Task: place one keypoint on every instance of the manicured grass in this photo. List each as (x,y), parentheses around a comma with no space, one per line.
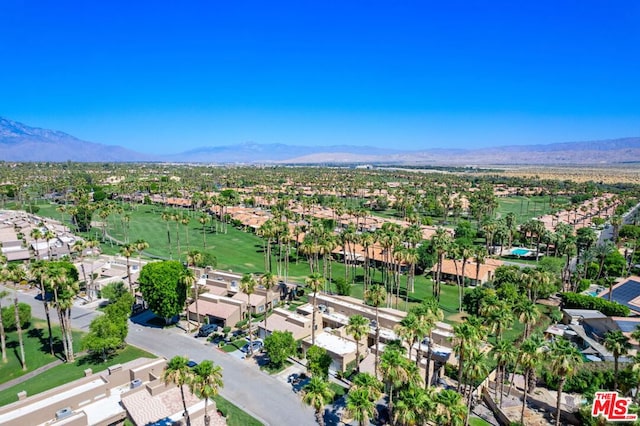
(526,208)
(36,349)
(66,373)
(235,345)
(275,370)
(477,421)
(234,415)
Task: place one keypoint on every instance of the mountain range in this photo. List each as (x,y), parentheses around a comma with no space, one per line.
(20,142)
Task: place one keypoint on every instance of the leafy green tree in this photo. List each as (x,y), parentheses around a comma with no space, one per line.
(278,346)
(162,287)
(9,317)
(318,362)
(82,217)
(113,291)
(104,336)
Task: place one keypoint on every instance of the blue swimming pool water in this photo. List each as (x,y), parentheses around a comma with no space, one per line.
(520,252)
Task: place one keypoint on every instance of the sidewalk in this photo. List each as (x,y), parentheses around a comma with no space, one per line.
(29,375)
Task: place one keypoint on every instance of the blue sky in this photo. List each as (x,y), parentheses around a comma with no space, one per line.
(165,77)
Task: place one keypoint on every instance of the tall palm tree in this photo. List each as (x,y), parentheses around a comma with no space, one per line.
(565,361)
(37,235)
(127,251)
(63,281)
(504,353)
(465,338)
(140,245)
(441,243)
(207,380)
(315,282)
(191,283)
(406,330)
(375,296)
(177,372)
(204,219)
(618,344)
(529,357)
(3,337)
(528,313)
(477,369)
(16,311)
(394,368)
(317,394)
(359,406)
(358,328)
(248,285)
(268,280)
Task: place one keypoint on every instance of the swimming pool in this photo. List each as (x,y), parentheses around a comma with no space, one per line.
(520,251)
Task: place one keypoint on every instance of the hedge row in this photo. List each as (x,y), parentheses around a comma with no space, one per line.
(584,301)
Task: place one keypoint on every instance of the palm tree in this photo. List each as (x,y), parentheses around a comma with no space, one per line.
(315,282)
(127,251)
(504,353)
(248,285)
(451,411)
(3,337)
(268,280)
(358,328)
(375,296)
(465,338)
(317,394)
(528,358)
(207,380)
(63,280)
(565,361)
(528,313)
(406,330)
(23,360)
(618,344)
(413,406)
(477,369)
(37,235)
(190,281)
(177,372)
(441,242)
(394,370)
(370,383)
(204,219)
(360,406)
(140,245)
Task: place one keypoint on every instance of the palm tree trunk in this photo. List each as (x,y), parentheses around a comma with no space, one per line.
(561,382)
(23,361)
(207,418)
(184,405)
(69,337)
(377,359)
(524,402)
(47,314)
(250,333)
(3,343)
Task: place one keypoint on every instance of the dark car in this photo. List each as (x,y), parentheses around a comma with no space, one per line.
(207,329)
(191,363)
(257,346)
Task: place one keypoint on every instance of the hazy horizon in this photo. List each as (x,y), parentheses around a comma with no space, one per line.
(162,77)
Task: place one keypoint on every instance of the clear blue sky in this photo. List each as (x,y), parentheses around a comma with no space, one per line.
(166,76)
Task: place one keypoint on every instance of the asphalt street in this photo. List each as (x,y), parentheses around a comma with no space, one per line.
(268,399)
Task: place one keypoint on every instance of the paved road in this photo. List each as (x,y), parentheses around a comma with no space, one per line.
(266,398)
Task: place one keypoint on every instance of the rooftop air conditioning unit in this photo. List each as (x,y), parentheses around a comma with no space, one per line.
(136,383)
(63,413)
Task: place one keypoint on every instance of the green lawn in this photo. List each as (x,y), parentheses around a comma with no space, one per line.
(66,373)
(477,421)
(36,348)
(526,208)
(234,415)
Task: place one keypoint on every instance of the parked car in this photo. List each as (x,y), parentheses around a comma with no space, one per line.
(207,329)
(191,363)
(257,346)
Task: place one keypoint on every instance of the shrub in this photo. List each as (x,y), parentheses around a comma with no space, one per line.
(9,316)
